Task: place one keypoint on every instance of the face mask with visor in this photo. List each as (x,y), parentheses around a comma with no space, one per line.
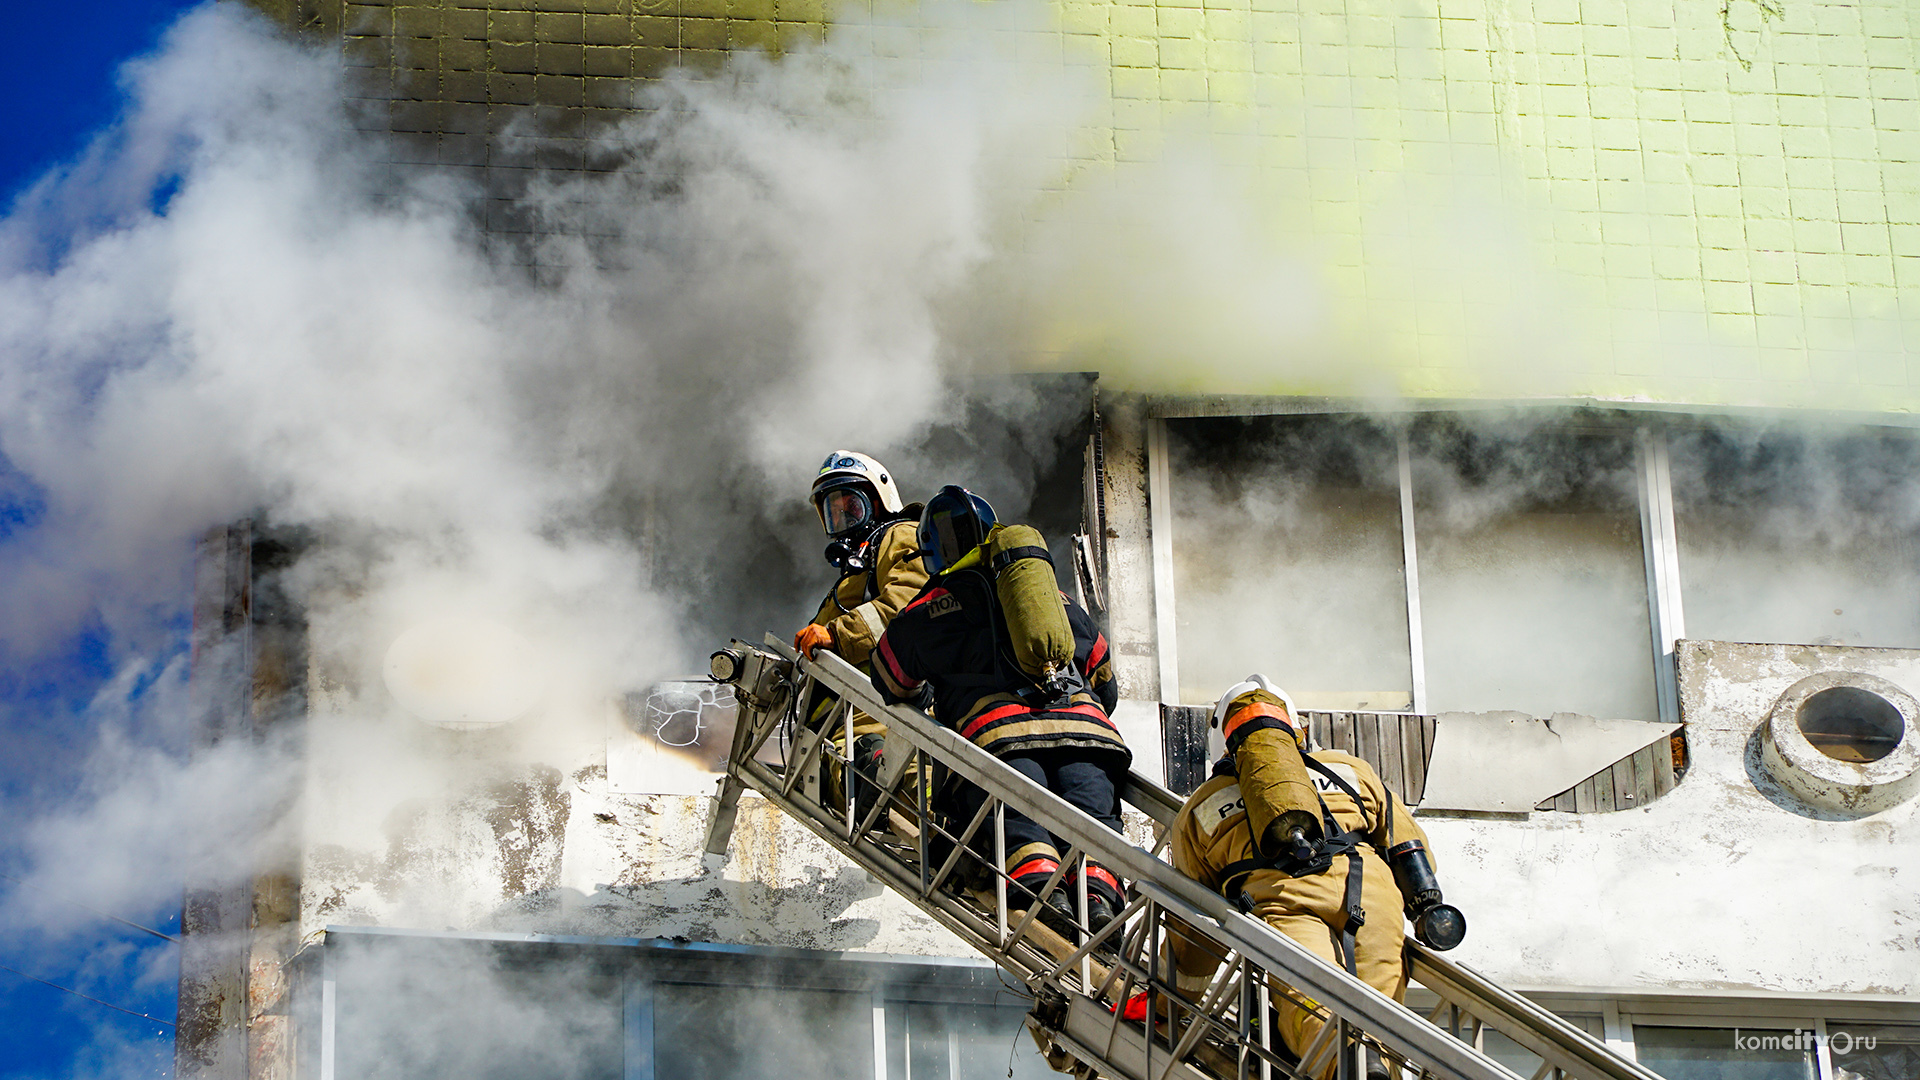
(843,510)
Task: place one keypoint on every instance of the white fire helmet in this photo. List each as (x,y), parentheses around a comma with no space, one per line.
(864,481)
(1217,724)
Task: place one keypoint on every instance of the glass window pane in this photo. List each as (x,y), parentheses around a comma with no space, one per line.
(965,1042)
(993,1039)
(1518,1059)
(1797,538)
(721,1033)
(1533,589)
(438,1011)
(1288,560)
(1873,1051)
(1591,1023)
(929,1038)
(1522,1061)
(1684,1053)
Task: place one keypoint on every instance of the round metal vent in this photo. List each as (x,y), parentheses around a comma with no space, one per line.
(1845,741)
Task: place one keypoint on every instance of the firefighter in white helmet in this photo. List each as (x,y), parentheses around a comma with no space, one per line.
(871,541)
(1338,862)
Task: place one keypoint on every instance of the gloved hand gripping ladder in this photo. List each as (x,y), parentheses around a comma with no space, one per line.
(1110,1004)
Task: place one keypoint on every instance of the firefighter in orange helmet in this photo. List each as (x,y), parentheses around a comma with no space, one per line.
(1338,861)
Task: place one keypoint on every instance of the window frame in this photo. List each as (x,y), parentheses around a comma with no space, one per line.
(1622,1012)
(1659,532)
(1658,545)
(889,984)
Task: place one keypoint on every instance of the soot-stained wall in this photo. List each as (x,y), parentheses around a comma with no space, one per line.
(1724,883)
(1668,199)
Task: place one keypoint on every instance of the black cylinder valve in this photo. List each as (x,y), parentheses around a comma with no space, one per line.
(1437,925)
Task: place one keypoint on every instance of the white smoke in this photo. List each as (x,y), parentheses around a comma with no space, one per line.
(224,310)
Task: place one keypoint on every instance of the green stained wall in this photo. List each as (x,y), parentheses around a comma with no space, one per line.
(1711,201)
(1675,199)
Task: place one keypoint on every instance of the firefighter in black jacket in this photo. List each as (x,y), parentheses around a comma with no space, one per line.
(980,636)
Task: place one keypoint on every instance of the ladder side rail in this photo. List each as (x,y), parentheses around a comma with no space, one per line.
(1017,953)
(1159,804)
(1001,781)
(1545,1034)
(1565,1046)
(956,917)
(1184,897)
(1540,1031)
(1341,994)
(1087,1023)
(1561,1044)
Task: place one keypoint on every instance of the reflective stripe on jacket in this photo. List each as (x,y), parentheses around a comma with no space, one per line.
(858,614)
(952,636)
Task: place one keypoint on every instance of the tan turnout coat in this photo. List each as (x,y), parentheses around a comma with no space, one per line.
(1212,834)
(857,619)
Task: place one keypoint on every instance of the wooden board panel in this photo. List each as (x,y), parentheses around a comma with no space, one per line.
(1415,764)
(1643,785)
(1366,739)
(1603,791)
(1342,732)
(1393,770)
(1319,728)
(1634,780)
(1663,779)
(1623,796)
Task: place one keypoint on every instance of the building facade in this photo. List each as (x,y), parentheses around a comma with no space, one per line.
(1618,591)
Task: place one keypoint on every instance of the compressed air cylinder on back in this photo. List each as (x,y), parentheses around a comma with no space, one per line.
(1029,595)
(1273,780)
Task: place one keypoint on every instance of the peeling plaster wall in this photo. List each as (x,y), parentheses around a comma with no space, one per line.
(1129,551)
(466,840)
(1719,885)
(1722,884)
(550,848)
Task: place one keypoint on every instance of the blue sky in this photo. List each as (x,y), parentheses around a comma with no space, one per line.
(63,88)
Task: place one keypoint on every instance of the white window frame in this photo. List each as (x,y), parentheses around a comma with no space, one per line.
(638,999)
(1659,547)
(1755,1011)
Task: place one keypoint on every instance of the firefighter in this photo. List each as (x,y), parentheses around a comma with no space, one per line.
(871,541)
(1338,885)
(967,642)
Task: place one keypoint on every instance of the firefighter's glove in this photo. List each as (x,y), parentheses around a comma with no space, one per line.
(812,636)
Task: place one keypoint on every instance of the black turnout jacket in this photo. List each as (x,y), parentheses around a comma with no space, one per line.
(954,638)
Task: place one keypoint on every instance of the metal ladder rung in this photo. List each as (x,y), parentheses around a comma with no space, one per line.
(1180,1038)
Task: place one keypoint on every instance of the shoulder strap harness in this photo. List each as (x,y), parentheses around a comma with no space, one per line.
(1335,842)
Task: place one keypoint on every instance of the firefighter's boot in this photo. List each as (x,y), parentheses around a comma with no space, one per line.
(1105,897)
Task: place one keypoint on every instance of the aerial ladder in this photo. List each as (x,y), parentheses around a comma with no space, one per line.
(1105,1004)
